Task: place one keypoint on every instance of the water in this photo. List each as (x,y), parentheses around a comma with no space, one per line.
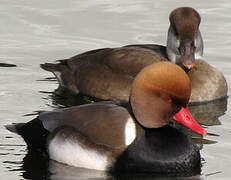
(34,32)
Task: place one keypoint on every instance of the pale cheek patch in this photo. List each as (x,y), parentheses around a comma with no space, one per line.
(130,131)
(171,55)
(198,56)
(73,154)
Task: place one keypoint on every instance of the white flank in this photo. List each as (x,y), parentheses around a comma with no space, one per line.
(73,154)
(130,131)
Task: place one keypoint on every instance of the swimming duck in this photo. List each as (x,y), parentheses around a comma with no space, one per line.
(208,83)
(108,73)
(106,136)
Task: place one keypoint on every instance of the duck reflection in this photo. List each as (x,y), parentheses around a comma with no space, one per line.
(62,98)
(208,114)
(37,166)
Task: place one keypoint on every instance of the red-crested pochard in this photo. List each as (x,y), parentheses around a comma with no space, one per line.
(108,73)
(139,139)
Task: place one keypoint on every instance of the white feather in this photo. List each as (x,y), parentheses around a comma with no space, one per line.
(74,154)
(130,131)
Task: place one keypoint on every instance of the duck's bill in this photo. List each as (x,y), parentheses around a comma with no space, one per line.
(188,63)
(185,118)
(187,53)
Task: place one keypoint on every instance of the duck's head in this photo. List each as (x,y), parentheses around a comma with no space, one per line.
(159,94)
(184,43)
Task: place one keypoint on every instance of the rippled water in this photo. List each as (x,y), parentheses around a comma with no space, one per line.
(33,32)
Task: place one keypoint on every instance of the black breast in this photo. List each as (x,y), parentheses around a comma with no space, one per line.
(162,152)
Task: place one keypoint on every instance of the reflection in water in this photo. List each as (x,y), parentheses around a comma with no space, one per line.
(149,177)
(208,114)
(64,98)
(201,141)
(9,149)
(37,167)
(61,172)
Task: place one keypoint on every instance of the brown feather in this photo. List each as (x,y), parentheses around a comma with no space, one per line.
(187,27)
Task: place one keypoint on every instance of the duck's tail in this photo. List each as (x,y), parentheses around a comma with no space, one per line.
(48,67)
(33,133)
(13,127)
(58,67)
(63,74)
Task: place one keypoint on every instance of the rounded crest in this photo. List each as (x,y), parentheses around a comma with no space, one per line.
(185,21)
(165,77)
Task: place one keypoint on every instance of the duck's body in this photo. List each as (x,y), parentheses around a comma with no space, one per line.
(108,73)
(105,136)
(163,155)
(118,145)
(208,83)
(111,78)
(105,73)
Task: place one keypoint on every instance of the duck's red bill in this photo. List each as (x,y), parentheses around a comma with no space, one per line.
(185,118)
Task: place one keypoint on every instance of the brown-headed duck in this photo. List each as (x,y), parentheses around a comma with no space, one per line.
(108,73)
(139,139)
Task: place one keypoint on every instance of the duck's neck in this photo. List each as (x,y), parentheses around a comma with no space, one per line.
(162,151)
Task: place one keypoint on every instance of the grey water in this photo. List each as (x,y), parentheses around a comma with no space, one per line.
(33,32)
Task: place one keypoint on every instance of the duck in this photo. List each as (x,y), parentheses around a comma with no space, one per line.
(108,73)
(208,84)
(138,139)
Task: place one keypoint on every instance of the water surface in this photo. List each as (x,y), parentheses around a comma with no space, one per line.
(34,32)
